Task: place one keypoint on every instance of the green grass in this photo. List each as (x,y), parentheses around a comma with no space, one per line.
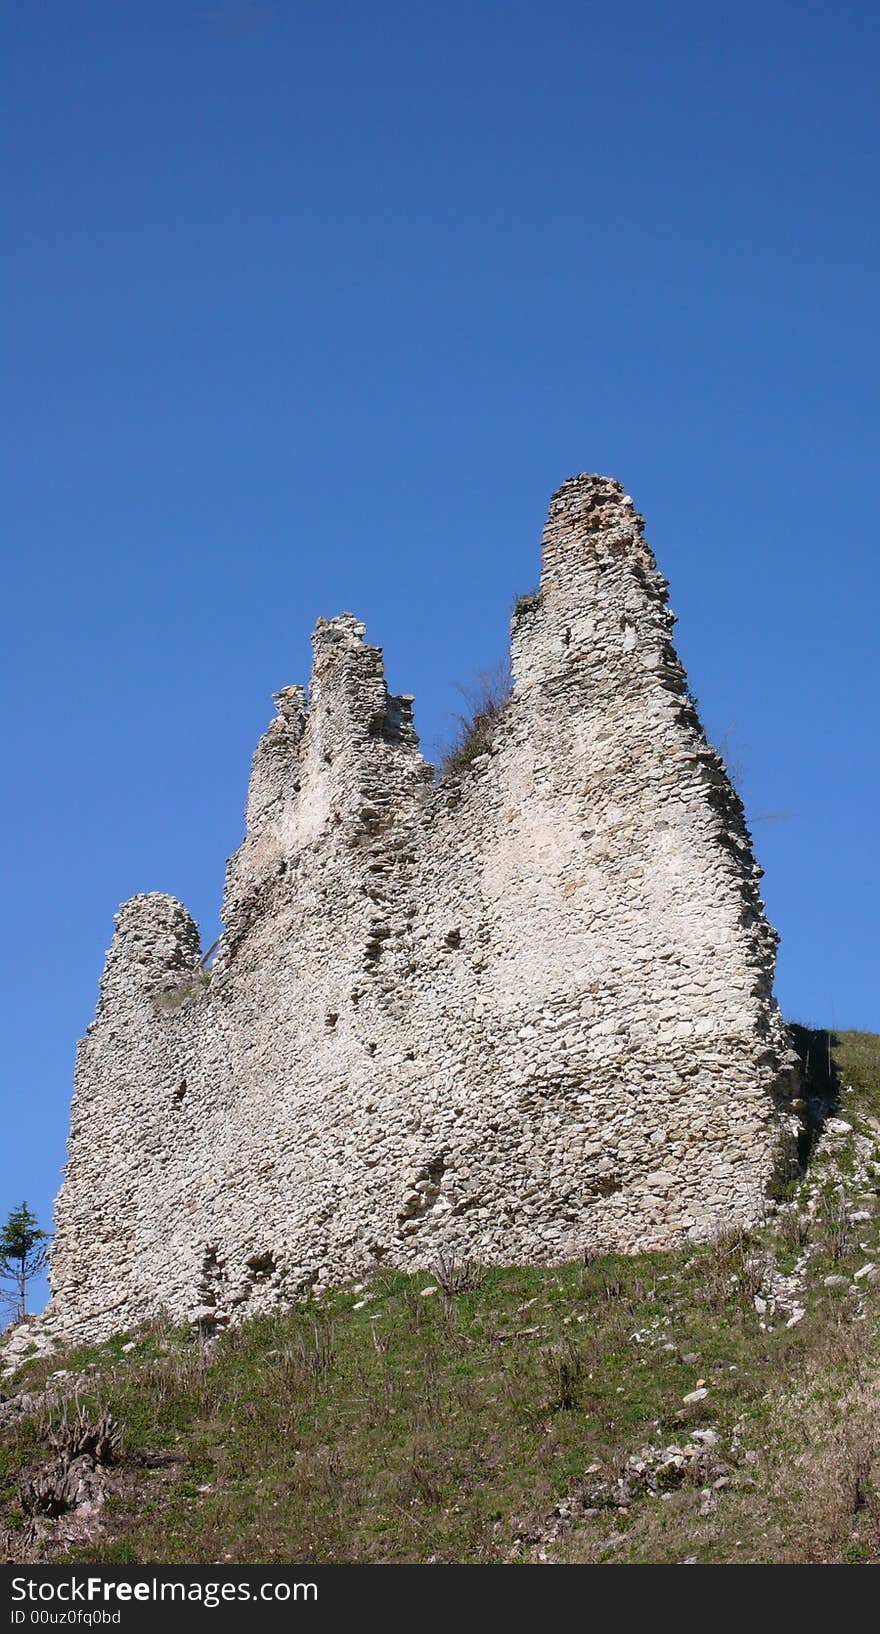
(420,1428)
(842,1069)
(432,1428)
(856,1057)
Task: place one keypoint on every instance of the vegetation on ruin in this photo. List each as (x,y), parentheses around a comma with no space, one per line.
(477,723)
(177,995)
(527,602)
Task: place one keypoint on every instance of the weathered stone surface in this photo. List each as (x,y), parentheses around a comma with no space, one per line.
(514,1015)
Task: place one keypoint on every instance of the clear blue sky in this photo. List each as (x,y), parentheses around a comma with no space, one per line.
(311,305)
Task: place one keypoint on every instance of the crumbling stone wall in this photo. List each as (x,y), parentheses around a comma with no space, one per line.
(515,1014)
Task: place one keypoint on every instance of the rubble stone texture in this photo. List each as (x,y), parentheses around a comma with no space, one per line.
(516,1014)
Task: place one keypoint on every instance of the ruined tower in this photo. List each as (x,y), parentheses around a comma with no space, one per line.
(515,1014)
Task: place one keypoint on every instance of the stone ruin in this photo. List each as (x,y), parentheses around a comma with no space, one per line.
(515,1014)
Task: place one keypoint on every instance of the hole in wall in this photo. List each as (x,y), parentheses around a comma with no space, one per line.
(210,1276)
(180,1090)
(261,1265)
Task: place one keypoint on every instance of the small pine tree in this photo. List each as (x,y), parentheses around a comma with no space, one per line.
(23,1252)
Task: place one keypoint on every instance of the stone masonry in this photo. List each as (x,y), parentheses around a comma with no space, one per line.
(515,1014)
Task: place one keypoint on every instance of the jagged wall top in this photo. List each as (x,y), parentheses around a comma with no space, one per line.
(514,1014)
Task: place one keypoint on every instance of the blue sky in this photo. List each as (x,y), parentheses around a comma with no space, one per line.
(311,306)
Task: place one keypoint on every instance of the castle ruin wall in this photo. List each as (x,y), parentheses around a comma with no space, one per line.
(515,1014)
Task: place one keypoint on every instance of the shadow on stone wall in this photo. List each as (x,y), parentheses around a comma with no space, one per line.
(821,1084)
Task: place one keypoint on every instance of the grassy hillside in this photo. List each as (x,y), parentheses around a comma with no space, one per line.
(718,1403)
